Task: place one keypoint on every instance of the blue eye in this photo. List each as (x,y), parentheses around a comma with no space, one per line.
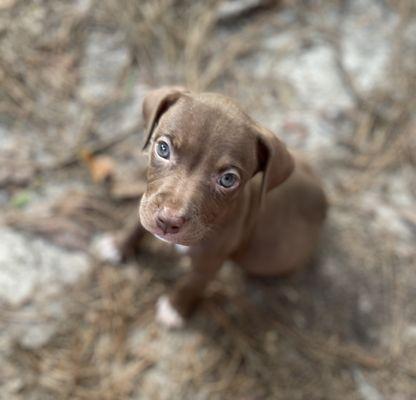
(228,180)
(162,149)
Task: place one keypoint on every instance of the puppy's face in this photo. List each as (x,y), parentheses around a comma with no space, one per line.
(203,149)
(200,159)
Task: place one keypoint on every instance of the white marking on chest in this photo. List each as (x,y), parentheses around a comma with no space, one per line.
(167,315)
(178,247)
(161,238)
(181,249)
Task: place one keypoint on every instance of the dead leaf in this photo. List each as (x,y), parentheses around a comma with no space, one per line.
(127,190)
(101,168)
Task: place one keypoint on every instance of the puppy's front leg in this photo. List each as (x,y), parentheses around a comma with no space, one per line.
(129,245)
(120,247)
(172,310)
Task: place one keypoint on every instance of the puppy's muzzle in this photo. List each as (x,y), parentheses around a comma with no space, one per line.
(169,221)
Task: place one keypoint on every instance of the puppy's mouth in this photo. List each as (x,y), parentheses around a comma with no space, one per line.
(182,238)
(190,233)
(166,237)
(173,238)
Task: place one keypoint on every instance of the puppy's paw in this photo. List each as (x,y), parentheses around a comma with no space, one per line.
(105,248)
(167,315)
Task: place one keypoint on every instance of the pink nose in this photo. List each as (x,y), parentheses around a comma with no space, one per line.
(168,221)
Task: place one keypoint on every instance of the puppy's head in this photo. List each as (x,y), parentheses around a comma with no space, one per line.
(203,149)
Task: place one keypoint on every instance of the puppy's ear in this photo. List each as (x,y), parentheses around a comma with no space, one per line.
(155,104)
(274,160)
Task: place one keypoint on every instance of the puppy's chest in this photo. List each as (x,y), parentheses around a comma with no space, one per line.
(181,249)
(178,247)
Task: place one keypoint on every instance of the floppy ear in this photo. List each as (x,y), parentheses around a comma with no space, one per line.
(155,104)
(274,160)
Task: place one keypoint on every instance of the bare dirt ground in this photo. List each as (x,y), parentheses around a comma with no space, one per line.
(335,79)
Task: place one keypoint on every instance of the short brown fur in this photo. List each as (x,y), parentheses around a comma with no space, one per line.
(269,224)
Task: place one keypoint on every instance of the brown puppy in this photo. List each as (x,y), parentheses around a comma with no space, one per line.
(226,188)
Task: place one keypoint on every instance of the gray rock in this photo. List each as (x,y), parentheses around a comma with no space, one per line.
(365,389)
(367,42)
(104,61)
(32,274)
(124,116)
(31,265)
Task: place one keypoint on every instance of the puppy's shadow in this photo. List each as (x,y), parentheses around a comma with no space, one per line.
(328,299)
(332,297)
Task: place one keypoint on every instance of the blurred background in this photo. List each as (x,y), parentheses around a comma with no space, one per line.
(335,79)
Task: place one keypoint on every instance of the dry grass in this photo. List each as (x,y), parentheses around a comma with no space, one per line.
(247,341)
